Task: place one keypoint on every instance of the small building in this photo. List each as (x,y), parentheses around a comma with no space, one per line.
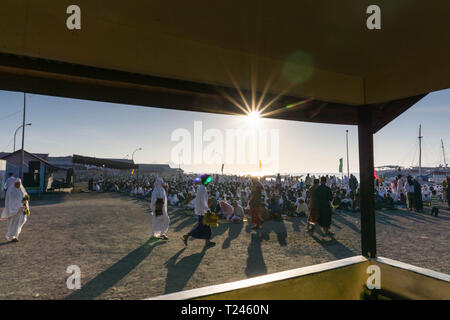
(37,171)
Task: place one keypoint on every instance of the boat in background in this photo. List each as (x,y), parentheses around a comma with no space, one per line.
(425,174)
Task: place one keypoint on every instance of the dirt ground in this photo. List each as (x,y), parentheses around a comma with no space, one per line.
(108,237)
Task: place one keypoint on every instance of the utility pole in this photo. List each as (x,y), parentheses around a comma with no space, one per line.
(348,167)
(22,155)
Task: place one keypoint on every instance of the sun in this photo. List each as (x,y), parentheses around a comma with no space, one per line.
(254,115)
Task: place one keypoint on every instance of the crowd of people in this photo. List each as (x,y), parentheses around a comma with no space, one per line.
(234,197)
(409,191)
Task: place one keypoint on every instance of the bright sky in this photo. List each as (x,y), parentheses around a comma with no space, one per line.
(63,126)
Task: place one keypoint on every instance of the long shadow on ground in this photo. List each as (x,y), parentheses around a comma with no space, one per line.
(179,273)
(115,273)
(233,232)
(278,227)
(255,260)
(333,246)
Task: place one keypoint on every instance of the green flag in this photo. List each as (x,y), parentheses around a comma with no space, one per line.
(340,164)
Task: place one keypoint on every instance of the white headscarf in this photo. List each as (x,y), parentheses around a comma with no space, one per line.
(14,200)
(159,190)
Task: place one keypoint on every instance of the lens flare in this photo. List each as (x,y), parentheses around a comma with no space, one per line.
(254,115)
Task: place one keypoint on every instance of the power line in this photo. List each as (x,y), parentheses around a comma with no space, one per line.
(10,115)
(6,147)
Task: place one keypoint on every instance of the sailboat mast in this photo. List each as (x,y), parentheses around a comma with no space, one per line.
(420,150)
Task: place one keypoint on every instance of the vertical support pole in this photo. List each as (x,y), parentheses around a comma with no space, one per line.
(367,189)
(22,155)
(348,166)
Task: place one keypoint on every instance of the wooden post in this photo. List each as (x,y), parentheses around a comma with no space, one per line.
(367,189)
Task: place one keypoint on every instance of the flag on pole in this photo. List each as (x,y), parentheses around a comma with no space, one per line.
(341,160)
(260,165)
(375,174)
(223,164)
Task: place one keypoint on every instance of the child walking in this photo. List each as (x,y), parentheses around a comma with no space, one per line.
(434,202)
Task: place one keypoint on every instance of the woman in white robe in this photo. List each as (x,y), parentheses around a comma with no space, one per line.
(160,224)
(14,210)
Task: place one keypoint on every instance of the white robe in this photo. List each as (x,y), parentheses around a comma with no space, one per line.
(13,211)
(201,201)
(160,224)
(9,182)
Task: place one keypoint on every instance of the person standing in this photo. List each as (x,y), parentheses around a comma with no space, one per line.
(308,181)
(324,197)
(16,207)
(158,206)
(201,231)
(409,187)
(418,196)
(434,202)
(256,204)
(313,207)
(353,183)
(9,182)
(394,189)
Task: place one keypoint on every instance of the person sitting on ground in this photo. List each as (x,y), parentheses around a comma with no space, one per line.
(189,202)
(226,210)
(336,202)
(388,201)
(302,208)
(238,212)
(274,207)
(287,206)
(347,202)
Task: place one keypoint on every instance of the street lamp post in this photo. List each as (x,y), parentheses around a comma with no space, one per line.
(132,155)
(132,159)
(22,154)
(15,133)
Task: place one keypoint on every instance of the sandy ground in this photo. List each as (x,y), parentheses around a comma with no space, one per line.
(108,237)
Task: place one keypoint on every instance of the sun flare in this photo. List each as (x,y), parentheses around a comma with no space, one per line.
(254,115)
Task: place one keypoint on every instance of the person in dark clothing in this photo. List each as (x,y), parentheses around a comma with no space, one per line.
(353,183)
(388,201)
(324,197)
(418,196)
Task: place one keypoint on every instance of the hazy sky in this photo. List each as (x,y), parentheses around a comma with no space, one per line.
(63,126)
